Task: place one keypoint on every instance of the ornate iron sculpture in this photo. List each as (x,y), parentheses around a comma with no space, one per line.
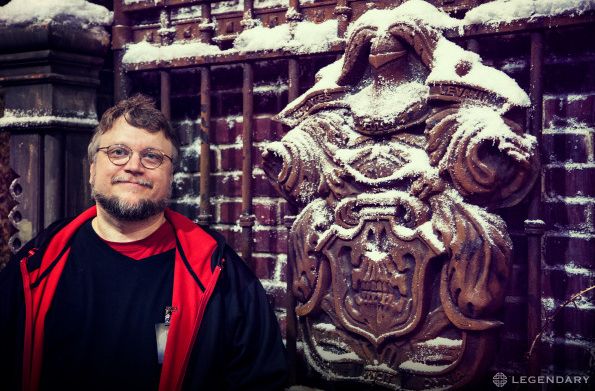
(7,201)
(400,262)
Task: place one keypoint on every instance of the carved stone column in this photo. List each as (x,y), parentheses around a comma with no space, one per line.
(7,202)
(398,158)
(49,73)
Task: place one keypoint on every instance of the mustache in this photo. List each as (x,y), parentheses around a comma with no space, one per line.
(143,182)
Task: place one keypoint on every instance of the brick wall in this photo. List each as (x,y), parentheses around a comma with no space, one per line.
(270,234)
(568,193)
(568,200)
(568,185)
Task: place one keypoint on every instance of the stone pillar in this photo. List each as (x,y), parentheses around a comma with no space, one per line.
(49,74)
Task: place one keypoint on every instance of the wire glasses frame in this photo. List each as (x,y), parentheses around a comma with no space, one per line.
(120,154)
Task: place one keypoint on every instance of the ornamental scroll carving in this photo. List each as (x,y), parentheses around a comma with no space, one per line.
(397,159)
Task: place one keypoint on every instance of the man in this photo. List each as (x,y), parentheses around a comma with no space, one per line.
(131,295)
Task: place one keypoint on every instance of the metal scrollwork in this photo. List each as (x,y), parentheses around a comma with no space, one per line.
(7,202)
(400,262)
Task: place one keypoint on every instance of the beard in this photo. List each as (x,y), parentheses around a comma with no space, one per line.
(124,211)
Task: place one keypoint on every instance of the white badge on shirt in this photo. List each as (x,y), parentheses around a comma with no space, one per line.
(161,330)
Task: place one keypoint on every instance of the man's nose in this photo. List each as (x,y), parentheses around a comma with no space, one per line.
(134,164)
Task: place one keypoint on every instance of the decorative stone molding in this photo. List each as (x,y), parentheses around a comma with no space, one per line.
(397,159)
(7,201)
(49,75)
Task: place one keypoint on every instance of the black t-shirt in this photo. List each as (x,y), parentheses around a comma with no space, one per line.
(100,329)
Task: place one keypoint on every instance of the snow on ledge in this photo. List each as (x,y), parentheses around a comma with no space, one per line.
(36,11)
(412,10)
(146,52)
(308,37)
(31,118)
(506,11)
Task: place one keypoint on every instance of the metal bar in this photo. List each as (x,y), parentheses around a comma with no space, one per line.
(247,19)
(291,318)
(337,48)
(343,12)
(53,173)
(247,218)
(206,27)
(294,79)
(165,94)
(7,230)
(248,7)
(121,34)
(534,227)
(205,214)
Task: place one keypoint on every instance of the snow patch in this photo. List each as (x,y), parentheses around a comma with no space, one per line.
(448,55)
(507,11)
(145,52)
(307,37)
(38,11)
(442,341)
(421,367)
(412,11)
(387,102)
(25,118)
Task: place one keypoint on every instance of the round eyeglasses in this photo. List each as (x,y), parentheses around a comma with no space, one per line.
(120,154)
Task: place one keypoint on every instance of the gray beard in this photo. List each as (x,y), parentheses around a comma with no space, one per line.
(123,211)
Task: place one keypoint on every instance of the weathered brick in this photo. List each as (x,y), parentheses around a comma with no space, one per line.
(519,249)
(566,216)
(264,267)
(287,210)
(515,319)
(227,76)
(560,250)
(231,159)
(186,130)
(566,357)
(225,131)
(270,241)
(515,216)
(283,274)
(190,163)
(517,285)
(185,185)
(228,185)
(227,103)
(510,350)
(266,214)
(233,237)
(563,147)
(257,160)
(267,130)
(276,295)
(562,286)
(263,187)
(189,210)
(557,110)
(570,182)
(574,321)
(229,212)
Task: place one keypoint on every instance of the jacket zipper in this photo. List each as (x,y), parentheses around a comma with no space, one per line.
(201,309)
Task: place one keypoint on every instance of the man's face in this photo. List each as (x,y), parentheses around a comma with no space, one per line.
(131,191)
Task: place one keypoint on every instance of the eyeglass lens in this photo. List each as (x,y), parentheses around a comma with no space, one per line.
(120,155)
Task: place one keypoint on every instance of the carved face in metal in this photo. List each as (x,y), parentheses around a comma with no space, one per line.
(398,267)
